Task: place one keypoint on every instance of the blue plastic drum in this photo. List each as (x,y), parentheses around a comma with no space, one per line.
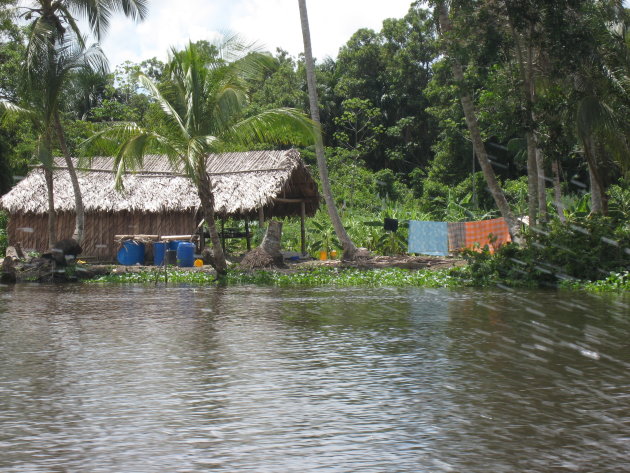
(159,249)
(173,244)
(186,254)
(131,253)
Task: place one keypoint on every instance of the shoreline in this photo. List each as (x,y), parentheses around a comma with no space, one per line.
(378,271)
(354,276)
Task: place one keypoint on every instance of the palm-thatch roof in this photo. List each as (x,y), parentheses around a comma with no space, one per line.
(243,183)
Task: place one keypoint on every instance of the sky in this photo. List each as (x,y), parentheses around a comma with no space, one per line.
(269,23)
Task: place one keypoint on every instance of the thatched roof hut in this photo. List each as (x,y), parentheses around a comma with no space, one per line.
(157,200)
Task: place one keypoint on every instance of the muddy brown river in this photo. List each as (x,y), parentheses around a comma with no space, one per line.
(196,379)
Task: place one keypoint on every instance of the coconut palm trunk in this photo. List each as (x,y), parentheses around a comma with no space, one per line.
(475,132)
(52,216)
(532,178)
(349,248)
(79,228)
(206,197)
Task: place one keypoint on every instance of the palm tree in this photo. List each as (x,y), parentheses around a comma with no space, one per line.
(349,248)
(60,15)
(42,153)
(50,21)
(602,129)
(43,87)
(202,103)
(599,101)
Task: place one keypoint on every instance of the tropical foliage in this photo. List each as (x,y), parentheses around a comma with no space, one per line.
(540,89)
(201,109)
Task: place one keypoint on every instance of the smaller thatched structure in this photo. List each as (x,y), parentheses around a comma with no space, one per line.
(156,200)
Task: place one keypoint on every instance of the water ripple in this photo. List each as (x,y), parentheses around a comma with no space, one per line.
(189,379)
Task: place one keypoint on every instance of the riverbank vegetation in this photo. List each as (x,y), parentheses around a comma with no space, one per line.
(458,277)
(410,114)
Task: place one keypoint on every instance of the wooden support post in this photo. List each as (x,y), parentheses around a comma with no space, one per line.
(303,226)
(248,236)
(261,217)
(223,234)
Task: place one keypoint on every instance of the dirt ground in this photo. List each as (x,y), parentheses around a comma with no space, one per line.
(401,261)
(375,262)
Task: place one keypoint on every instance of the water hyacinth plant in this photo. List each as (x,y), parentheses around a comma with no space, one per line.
(319,276)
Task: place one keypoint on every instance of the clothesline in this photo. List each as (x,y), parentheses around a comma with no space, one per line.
(440,238)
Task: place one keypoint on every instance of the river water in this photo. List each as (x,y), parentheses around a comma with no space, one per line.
(191,379)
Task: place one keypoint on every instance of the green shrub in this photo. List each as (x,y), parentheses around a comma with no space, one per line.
(516,194)
(619,202)
(585,249)
(614,282)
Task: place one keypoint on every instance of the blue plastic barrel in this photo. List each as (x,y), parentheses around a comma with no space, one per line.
(185,254)
(173,244)
(131,253)
(159,248)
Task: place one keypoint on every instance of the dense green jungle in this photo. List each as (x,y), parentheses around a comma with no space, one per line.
(547,85)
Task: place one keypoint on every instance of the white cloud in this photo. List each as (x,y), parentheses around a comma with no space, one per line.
(271,23)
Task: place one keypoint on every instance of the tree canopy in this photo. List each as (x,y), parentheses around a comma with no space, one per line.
(548,80)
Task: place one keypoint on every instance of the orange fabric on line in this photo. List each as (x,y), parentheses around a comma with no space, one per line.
(478,232)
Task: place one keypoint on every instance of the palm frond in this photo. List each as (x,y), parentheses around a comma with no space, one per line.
(10,110)
(69,19)
(254,66)
(166,106)
(99,12)
(137,10)
(95,60)
(233,47)
(592,115)
(40,39)
(277,126)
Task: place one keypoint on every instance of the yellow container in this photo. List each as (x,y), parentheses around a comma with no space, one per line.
(323,256)
(198,263)
(333,254)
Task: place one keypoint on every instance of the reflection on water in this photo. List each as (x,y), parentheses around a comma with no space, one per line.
(144,379)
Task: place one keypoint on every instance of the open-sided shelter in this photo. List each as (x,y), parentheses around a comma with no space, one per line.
(156,200)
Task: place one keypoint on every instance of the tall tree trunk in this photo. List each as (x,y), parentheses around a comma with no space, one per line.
(542,185)
(206,196)
(475,133)
(525,57)
(52,216)
(349,248)
(600,157)
(557,190)
(594,172)
(597,203)
(532,179)
(79,227)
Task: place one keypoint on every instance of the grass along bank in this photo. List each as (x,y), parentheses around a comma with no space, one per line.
(354,277)
(318,276)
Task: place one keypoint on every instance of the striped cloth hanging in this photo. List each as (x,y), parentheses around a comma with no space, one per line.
(456,236)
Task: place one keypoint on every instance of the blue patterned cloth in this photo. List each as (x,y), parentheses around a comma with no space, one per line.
(428,238)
